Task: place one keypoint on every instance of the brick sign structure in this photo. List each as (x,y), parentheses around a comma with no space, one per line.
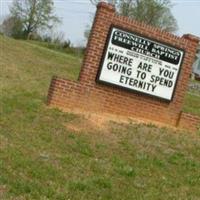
(131,69)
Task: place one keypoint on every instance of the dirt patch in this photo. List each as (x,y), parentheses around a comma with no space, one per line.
(3,143)
(3,190)
(89,123)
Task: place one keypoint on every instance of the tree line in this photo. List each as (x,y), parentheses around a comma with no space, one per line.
(153,12)
(32,18)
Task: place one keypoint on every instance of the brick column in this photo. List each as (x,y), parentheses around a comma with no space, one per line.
(104,16)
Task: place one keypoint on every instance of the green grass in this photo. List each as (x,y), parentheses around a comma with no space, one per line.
(192,100)
(41,159)
(57,47)
(192,104)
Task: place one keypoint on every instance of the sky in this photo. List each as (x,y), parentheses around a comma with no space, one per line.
(77,14)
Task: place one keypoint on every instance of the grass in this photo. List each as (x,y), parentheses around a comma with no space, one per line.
(57,47)
(41,159)
(192,104)
(192,100)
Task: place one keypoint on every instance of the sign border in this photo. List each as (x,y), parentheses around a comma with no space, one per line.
(98,81)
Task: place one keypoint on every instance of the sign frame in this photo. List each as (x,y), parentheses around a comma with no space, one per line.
(98,81)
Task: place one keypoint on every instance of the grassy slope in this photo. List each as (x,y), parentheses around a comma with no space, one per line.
(192,104)
(41,159)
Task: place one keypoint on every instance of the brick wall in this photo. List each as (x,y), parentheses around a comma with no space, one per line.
(188,121)
(86,94)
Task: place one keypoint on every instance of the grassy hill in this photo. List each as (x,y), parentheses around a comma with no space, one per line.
(42,158)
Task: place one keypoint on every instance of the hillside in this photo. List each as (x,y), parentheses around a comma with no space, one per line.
(47,154)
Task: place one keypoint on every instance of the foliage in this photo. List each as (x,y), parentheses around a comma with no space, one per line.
(153,12)
(12,27)
(34,15)
(59,47)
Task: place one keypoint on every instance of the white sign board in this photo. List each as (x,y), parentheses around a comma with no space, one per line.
(137,63)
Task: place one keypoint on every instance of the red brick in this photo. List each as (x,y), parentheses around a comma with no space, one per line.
(87,95)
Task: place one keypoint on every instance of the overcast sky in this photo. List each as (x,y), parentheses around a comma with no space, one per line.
(77,14)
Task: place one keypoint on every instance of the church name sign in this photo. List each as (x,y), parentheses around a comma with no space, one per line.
(134,62)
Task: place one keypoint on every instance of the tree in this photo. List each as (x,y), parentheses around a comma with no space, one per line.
(153,12)
(34,14)
(12,27)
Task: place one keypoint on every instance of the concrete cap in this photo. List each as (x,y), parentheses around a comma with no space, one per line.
(107,6)
(191,37)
